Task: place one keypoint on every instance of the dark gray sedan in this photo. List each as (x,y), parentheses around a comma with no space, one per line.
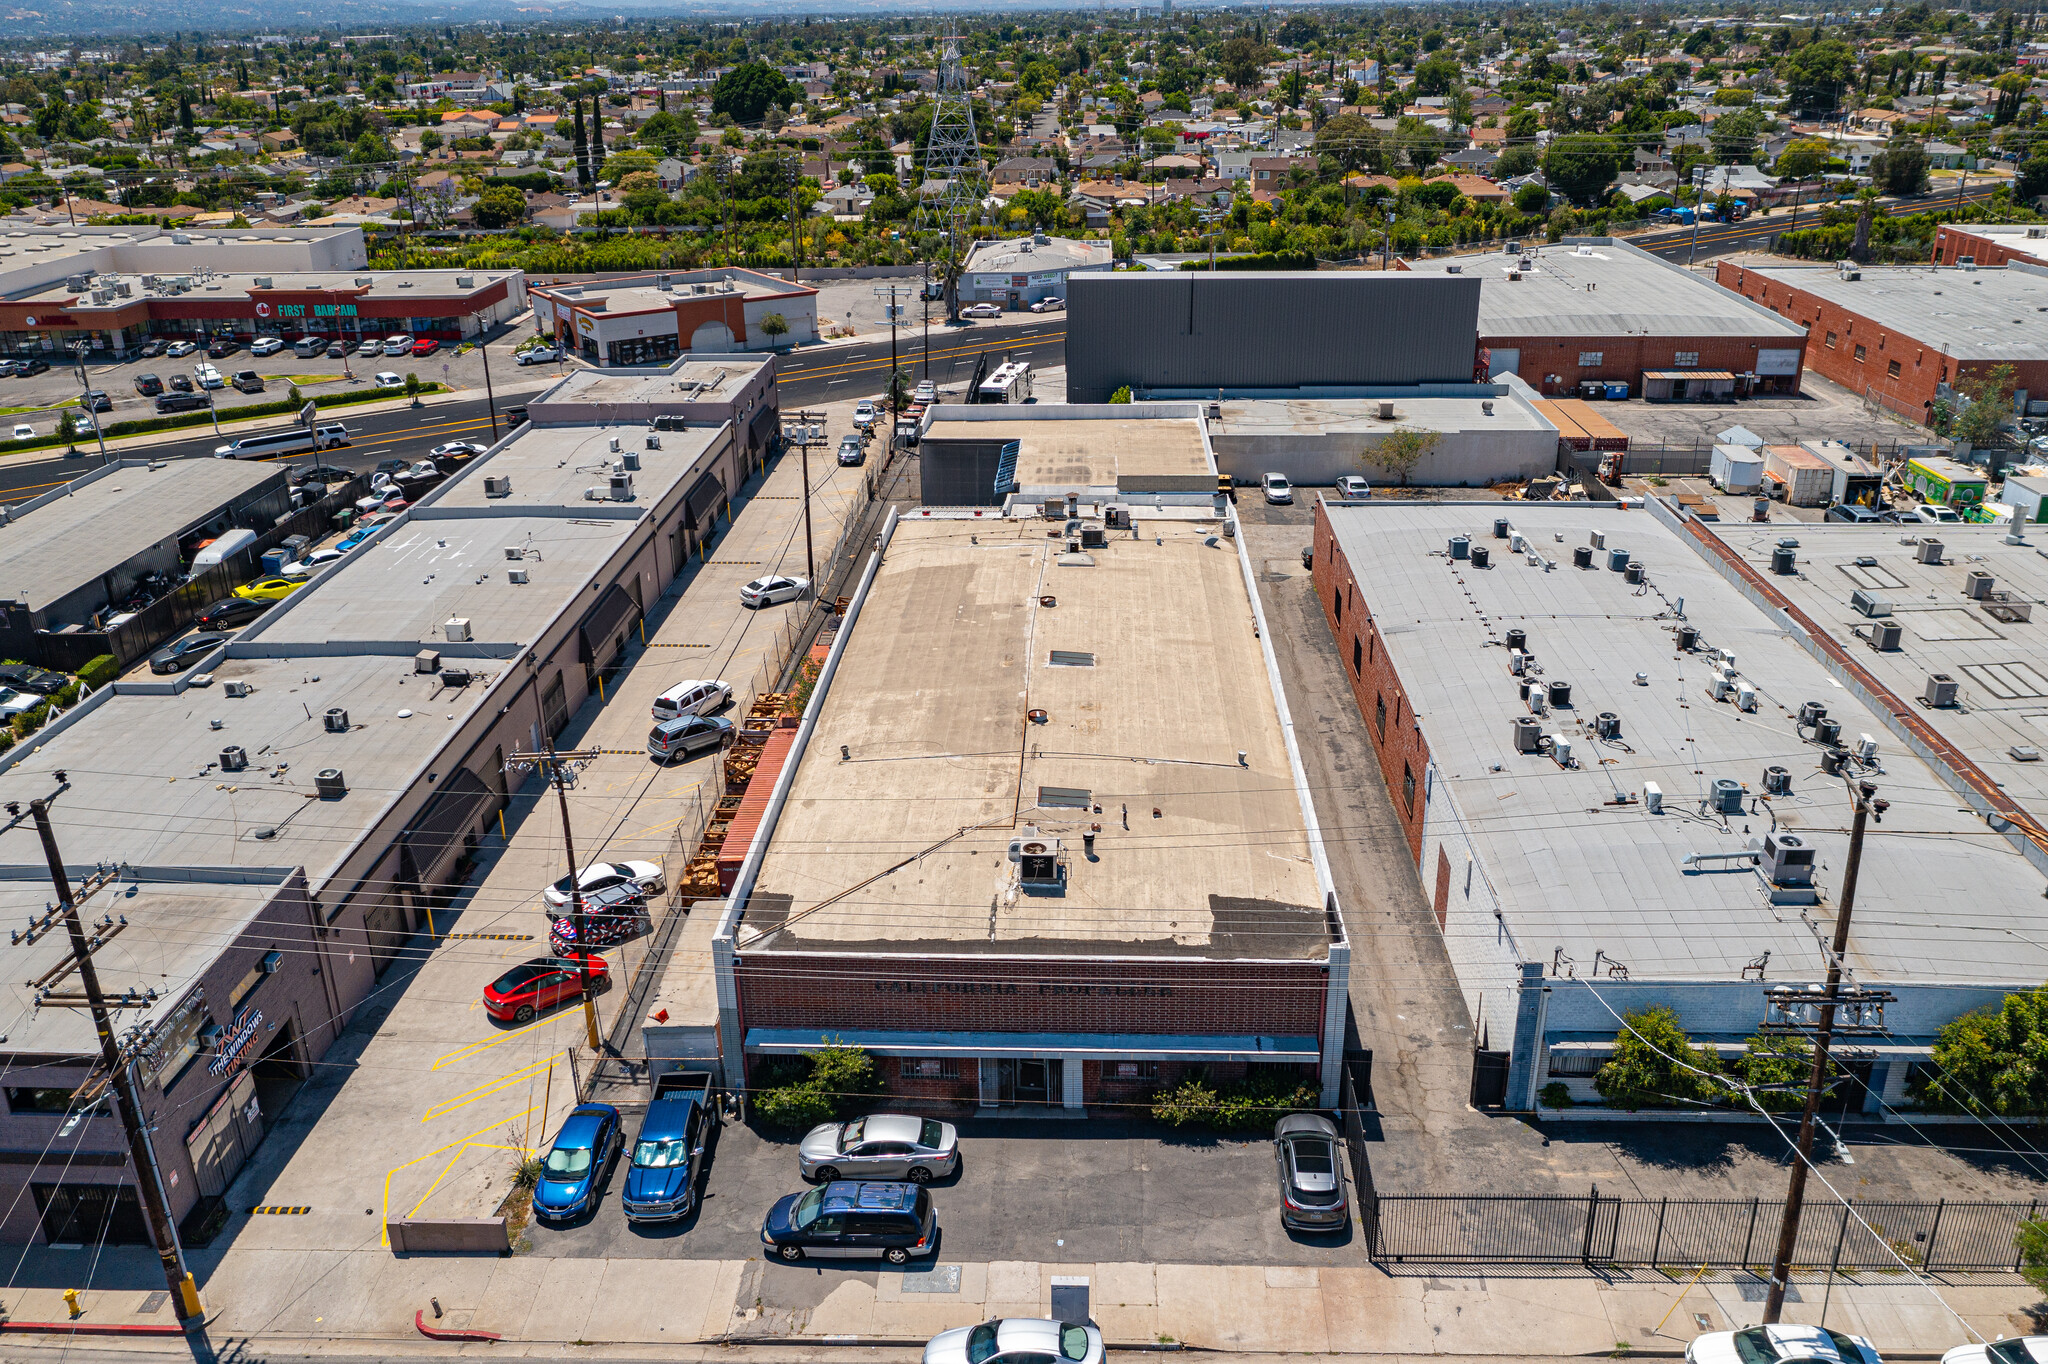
(181,654)
(1311,1173)
(880,1146)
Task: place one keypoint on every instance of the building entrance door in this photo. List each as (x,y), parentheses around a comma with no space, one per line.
(1029,1081)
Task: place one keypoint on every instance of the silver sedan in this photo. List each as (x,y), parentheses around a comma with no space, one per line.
(880,1146)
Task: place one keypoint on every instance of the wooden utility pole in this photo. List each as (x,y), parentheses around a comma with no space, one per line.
(1867,805)
(810,421)
(163,1231)
(550,762)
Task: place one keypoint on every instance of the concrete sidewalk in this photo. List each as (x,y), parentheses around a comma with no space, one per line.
(336,1300)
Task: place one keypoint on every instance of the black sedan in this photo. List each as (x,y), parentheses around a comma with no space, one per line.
(23,677)
(148,385)
(223,347)
(181,654)
(230,613)
(322,473)
(181,383)
(24,368)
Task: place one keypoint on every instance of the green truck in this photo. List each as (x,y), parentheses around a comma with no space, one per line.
(1935,479)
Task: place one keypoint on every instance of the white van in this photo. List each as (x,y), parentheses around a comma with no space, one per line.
(691,698)
(310,347)
(227,544)
(289,440)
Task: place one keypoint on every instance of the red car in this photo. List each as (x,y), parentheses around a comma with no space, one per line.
(425,346)
(540,984)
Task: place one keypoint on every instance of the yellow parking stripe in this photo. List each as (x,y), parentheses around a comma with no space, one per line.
(485,1090)
(478,1047)
(383,1228)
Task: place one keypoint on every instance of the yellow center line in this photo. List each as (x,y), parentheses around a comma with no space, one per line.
(485,1090)
(459,1141)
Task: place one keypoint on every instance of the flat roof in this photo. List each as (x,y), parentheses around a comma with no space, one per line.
(1969,314)
(1343,416)
(408,582)
(29,244)
(1572,870)
(375,284)
(640,292)
(2000,667)
(555,466)
(93,525)
(1632,293)
(2016,237)
(902,845)
(1072,453)
(691,380)
(1027,254)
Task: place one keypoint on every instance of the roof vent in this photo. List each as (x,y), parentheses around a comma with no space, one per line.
(328,783)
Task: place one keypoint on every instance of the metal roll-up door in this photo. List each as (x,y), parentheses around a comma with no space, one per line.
(436,841)
(606,626)
(221,1140)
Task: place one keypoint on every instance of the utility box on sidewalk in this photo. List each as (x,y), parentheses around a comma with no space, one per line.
(1070,1298)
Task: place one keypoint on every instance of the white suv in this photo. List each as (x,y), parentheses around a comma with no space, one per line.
(1277,489)
(401,344)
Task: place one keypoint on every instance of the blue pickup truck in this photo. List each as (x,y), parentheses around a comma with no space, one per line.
(670,1154)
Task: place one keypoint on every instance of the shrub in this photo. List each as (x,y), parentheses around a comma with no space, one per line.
(99,671)
(1189,1102)
(1990,1061)
(839,1079)
(1656,1065)
(1778,1068)
(1247,1105)
(1122,395)
(797,1105)
(66,694)
(1556,1094)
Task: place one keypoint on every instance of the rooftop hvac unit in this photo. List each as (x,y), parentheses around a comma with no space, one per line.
(615,445)
(1852,275)
(1561,749)
(1810,712)
(262,281)
(630,460)
(337,720)
(1928,552)
(1787,860)
(427,661)
(1885,638)
(1037,857)
(1386,410)
(1721,686)
(599,493)
(1777,781)
(515,575)
(653,443)
(1726,796)
(1653,798)
(125,289)
(149,281)
(1941,690)
(456,628)
(500,485)
(1528,734)
(456,677)
(513,552)
(233,758)
(465,281)
(621,488)
(236,688)
(328,783)
(1977,584)
(1868,604)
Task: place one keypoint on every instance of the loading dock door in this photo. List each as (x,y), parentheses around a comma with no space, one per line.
(1505,361)
(222,1140)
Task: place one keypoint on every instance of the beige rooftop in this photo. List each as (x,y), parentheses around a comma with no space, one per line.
(903,844)
(1074,454)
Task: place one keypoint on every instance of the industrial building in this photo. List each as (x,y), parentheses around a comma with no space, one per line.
(285,815)
(1907,336)
(1020,271)
(636,321)
(1067,878)
(1622,778)
(732,388)
(1203,334)
(1989,245)
(1595,310)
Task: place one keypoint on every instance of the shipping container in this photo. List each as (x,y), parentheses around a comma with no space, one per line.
(1936,479)
(1736,468)
(1603,434)
(746,821)
(1856,481)
(1808,479)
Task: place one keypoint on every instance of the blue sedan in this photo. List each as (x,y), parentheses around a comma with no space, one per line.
(576,1166)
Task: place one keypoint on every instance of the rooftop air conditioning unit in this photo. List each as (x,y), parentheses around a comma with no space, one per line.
(329,784)
(427,661)
(149,281)
(515,575)
(621,488)
(262,281)
(500,485)
(233,758)
(1852,275)
(337,720)
(629,461)
(1869,604)
(1928,552)
(1968,263)
(1941,690)
(1037,857)
(456,628)
(2036,233)
(465,281)
(1885,638)
(1787,859)
(597,494)
(235,688)
(1977,584)
(513,552)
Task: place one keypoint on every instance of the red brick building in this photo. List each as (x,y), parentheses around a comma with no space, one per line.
(1988,246)
(1043,841)
(1597,309)
(1901,335)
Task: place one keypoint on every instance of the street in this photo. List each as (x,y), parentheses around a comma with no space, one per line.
(1756,233)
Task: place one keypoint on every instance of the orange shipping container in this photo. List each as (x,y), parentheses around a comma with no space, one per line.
(746,821)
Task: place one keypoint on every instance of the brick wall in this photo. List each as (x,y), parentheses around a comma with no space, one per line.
(1952,243)
(1860,355)
(1375,686)
(1011,994)
(1624,358)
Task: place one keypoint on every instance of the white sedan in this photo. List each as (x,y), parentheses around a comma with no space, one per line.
(369,345)
(23,431)
(178,350)
(982,310)
(1351,485)
(1277,489)
(312,563)
(864,413)
(1048,305)
(1017,1338)
(604,875)
(2018,1350)
(769,591)
(386,379)
(539,355)
(1781,1344)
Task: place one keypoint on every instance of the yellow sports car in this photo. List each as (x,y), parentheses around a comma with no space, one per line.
(269,589)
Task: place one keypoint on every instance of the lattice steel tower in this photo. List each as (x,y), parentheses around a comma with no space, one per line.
(952,157)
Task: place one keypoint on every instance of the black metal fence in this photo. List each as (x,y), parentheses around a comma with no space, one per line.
(1685,1233)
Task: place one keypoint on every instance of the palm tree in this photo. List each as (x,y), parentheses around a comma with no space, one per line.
(1866,208)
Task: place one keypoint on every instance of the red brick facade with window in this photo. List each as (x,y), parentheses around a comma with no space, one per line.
(1551,366)
(1869,360)
(1382,700)
(1952,243)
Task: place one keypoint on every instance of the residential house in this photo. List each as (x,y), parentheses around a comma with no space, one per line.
(278,140)
(1473,187)
(1475,160)
(1025,172)
(1948,156)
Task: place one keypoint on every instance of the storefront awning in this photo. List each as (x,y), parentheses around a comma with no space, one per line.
(1688,374)
(1089,1045)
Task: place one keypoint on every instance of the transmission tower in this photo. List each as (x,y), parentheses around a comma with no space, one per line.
(952,159)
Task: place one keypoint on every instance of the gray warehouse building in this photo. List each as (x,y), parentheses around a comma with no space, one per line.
(1198,331)
(285,816)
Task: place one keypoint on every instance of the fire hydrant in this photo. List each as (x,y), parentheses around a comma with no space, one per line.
(71,1301)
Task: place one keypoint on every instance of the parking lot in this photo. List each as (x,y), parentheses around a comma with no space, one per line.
(1820,411)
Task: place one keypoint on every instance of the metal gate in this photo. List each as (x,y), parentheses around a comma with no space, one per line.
(224,1138)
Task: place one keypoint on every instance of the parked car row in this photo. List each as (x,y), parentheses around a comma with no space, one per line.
(305,348)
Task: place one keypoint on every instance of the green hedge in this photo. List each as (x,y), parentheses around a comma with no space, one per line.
(1247,1105)
(181,420)
(1263,260)
(97,672)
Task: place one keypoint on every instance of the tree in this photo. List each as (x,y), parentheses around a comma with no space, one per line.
(1241,60)
(1778,1067)
(1816,73)
(1993,1062)
(580,141)
(1350,141)
(596,139)
(1866,208)
(1438,76)
(1802,159)
(430,141)
(1655,1064)
(1400,450)
(1990,394)
(840,1078)
(774,325)
(370,149)
(1905,166)
(1516,160)
(499,208)
(2033,177)
(746,92)
(1582,165)
(1532,198)
(1734,135)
